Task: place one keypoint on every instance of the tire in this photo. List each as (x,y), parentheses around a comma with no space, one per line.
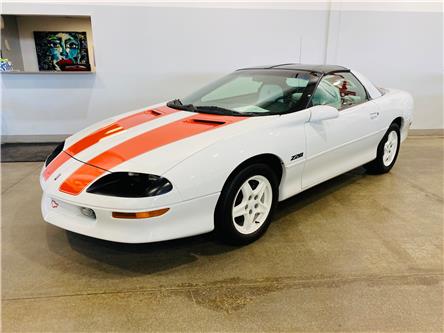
(387,153)
(241,195)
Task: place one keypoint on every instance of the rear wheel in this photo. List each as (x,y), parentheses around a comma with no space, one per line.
(387,153)
(246,204)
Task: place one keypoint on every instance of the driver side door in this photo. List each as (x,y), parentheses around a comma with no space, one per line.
(335,146)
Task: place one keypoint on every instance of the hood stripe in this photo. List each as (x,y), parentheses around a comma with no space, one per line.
(143,143)
(111,129)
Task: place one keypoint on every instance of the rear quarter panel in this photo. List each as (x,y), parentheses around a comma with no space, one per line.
(393,104)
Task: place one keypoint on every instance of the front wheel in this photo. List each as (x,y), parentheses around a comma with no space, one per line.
(243,212)
(387,153)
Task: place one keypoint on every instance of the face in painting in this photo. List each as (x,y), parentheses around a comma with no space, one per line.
(64,48)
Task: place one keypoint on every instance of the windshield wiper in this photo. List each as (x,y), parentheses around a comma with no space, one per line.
(211,109)
(228,112)
(178,105)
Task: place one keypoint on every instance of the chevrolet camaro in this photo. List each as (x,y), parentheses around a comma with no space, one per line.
(221,158)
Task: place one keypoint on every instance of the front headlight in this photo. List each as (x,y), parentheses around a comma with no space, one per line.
(54,154)
(130,185)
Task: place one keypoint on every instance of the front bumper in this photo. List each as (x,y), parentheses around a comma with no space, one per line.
(183,219)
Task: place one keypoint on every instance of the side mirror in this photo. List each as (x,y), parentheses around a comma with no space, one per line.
(323,112)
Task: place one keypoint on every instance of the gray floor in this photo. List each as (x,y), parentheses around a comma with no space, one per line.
(26,152)
(358,253)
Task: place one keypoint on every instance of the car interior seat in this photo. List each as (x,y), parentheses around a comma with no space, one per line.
(327,94)
(271,97)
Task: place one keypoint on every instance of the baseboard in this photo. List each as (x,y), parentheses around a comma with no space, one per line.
(426,132)
(33,138)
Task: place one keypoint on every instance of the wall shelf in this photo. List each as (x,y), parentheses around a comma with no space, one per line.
(47,44)
(47,72)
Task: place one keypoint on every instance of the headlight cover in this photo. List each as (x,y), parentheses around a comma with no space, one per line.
(130,185)
(54,154)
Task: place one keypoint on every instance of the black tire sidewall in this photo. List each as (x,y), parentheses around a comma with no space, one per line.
(224,225)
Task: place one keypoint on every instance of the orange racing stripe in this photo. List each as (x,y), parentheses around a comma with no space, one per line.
(55,164)
(143,143)
(116,127)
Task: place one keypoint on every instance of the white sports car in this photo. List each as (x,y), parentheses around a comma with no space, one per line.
(221,158)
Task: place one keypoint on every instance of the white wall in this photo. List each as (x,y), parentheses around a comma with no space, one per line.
(145,55)
(395,49)
(28,24)
(148,54)
(11,42)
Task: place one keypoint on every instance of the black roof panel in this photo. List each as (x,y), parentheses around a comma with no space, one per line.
(324,69)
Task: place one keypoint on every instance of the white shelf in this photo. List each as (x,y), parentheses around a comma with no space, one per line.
(48,72)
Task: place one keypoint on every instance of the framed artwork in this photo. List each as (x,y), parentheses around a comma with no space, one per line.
(62,51)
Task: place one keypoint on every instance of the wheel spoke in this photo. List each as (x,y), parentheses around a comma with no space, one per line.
(259,190)
(262,208)
(248,221)
(239,210)
(247,191)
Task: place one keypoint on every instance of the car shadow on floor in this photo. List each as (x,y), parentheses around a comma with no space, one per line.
(161,256)
(147,258)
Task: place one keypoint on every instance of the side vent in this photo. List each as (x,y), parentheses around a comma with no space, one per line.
(207,122)
(154,112)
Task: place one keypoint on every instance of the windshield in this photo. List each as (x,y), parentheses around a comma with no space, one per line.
(252,92)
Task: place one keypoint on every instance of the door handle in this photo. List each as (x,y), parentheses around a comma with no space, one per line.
(374,115)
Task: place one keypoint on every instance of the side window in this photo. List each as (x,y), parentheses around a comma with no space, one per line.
(341,90)
(327,93)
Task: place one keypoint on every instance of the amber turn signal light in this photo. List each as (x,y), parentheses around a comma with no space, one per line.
(140,215)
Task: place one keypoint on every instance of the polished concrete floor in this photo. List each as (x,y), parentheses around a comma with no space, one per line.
(26,152)
(358,253)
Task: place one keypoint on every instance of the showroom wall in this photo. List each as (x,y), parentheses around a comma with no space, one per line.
(397,49)
(145,55)
(11,49)
(148,54)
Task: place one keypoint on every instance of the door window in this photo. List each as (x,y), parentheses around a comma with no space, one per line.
(340,90)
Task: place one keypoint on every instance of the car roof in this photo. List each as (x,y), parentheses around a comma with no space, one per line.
(323,69)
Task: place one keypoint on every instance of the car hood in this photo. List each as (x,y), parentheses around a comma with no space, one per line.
(150,141)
